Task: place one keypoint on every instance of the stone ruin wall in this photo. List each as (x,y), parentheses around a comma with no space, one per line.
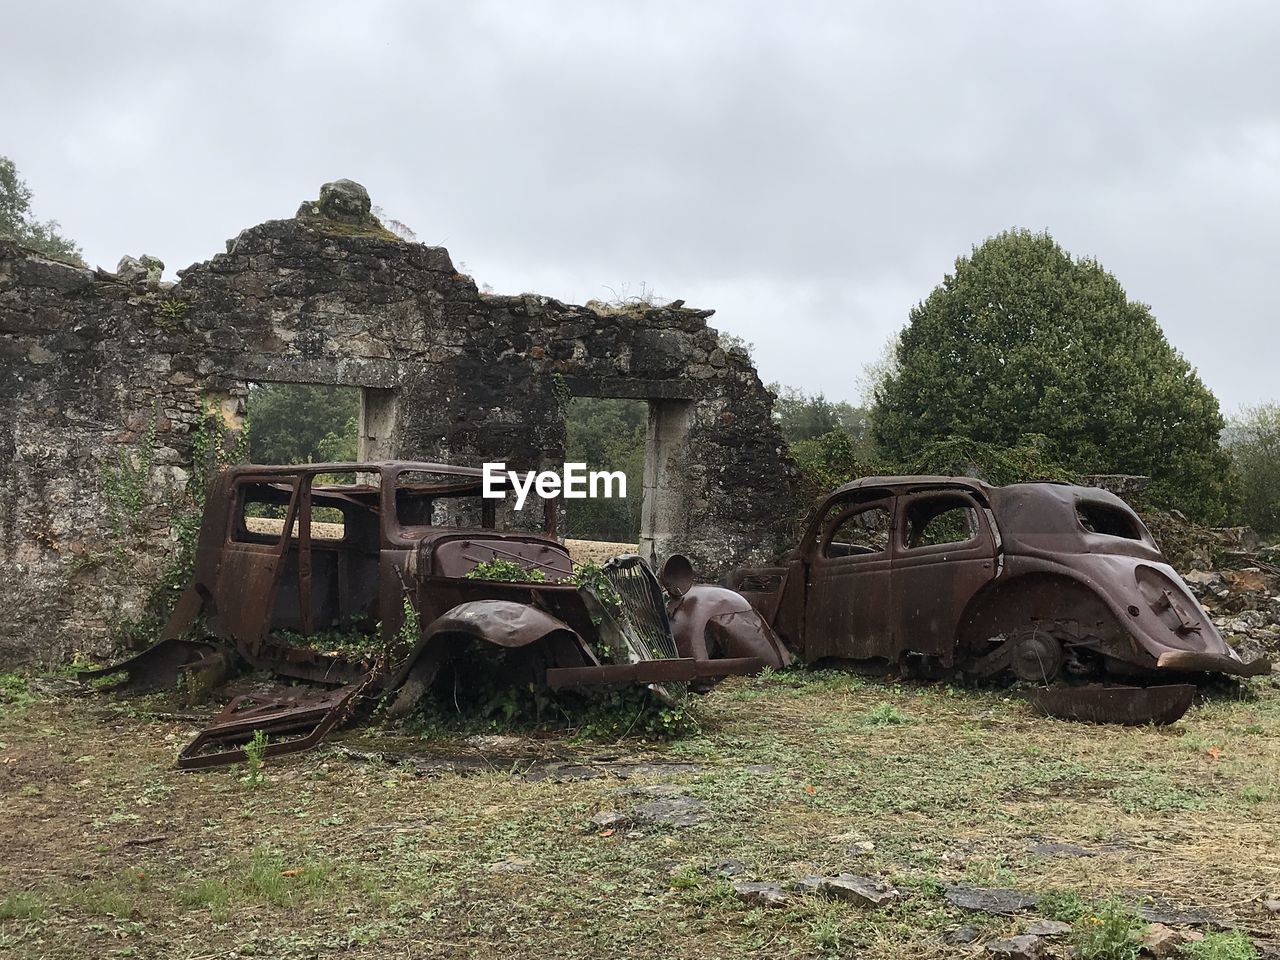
(100,369)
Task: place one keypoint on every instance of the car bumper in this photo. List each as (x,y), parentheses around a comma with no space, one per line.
(1188,661)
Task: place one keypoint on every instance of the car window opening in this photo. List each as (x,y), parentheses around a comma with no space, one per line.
(864,532)
(940,520)
(1107,520)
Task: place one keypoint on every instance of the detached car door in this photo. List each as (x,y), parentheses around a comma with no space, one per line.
(847,595)
(263,515)
(944,552)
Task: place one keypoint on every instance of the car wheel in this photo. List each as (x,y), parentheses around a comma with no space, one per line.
(1037,656)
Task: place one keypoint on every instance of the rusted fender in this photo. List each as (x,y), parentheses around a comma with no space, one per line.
(715,622)
(501,622)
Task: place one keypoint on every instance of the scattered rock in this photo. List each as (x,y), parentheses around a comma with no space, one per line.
(494,742)
(861,848)
(1156,909)
(55,686)
(672,808)
(1161,942)
(1060,850)
(727,868)
(509,865)
(1271,906)
(1024,947)
(679,811)
(144,269)
(345,201)
(1047,928)
(958,935)
(864,891)
(610,820)
(993,900)
(808,884)
(761,894)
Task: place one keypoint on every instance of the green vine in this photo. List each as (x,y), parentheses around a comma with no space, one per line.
(561,392)
(508,571)
(126,490)
(129,496)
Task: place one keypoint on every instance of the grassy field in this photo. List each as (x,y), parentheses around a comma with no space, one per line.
(475,848)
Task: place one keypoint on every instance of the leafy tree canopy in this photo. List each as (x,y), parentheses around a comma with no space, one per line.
(1254,442)
(804,416)
(17,223)
(1024,339)
(607,434)
(302,423)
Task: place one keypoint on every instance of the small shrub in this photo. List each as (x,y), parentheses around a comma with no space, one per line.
(13,689)
(255,752)
(1066,906)
(1110,932)
(884,715)
(509,571)
(410,625)
(1221,946)
(591,575)
(637,712)
(686,878)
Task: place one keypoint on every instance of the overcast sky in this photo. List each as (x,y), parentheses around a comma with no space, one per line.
(809,170)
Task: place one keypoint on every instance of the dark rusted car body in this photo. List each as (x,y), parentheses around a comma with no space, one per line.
(287,554)
(1046,581)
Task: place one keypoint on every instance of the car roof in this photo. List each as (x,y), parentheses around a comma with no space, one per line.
(915,482)
(364,466)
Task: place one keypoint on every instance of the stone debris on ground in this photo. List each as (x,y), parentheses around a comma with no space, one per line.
(991,900)
(862,891)
(1233,575)
(1047,928)
(961,935)
(761,894)
(669,806)
(1161,942)
(1022,947)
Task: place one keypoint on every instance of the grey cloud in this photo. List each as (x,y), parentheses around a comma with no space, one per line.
(809,169)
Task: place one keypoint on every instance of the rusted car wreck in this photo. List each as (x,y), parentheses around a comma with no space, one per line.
(1046,582)
(287,556)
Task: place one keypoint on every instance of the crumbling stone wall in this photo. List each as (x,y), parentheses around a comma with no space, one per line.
(107,380)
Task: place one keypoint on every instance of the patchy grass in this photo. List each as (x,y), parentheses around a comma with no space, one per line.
(112,852)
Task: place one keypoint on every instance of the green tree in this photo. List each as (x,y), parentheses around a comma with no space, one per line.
(607,434)
(1254,441)
(302,423)
(1024,339)
(804,416)
(17,223)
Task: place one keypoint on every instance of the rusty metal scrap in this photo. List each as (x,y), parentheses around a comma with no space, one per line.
(286,554)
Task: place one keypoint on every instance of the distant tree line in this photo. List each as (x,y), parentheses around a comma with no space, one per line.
(1023,363)
(18,223)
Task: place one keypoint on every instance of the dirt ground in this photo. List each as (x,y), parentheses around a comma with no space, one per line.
(383,844)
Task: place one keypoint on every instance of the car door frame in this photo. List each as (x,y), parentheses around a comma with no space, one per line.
(932,585)
(840,622)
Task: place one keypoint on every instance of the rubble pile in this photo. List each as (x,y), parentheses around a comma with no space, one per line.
(1244,605)
(1232,573)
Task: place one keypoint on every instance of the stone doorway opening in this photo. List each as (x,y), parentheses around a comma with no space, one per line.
(317,423)
(645,440)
